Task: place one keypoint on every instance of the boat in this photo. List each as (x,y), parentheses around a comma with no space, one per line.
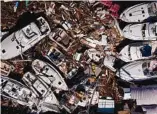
(17,92)
(61,38)
(138,70)
(137,51)
(143,31)
(49,74)
(48,101)
(139,12)
(55,55)
(20,41)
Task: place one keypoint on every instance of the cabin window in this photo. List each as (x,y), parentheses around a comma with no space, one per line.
(17,47)
(130,14)
(143,11)
(59,83)
(3,51)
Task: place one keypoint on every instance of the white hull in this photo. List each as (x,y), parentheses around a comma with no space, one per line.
(17,92)
(133,52)
(23,39)
(144,31)
(42,91)
(49,74)
(139,12)
(138,70)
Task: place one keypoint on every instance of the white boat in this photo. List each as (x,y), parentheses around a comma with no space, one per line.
(138,70)
(144,31)
(140,50)
(20,41)
(17,92)
(139,12)
(49,74)
(48,101)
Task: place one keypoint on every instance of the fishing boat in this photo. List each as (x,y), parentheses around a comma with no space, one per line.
(138,70)
(144,31)
(139,12)
(20,41)
(17,92)
(48,101)
(49,74)
(137,51)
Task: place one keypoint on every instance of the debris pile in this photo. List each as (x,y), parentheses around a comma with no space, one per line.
(64,58)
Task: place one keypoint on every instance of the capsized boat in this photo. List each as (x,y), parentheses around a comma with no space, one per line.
(48,101)
(140,50)
(138,70)
(49,74)
(143,31)
(139,12)
(20,41)
(17,92)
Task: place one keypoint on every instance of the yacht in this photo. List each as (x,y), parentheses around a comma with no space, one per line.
(138,70)
(49,74)
(48,101)
(21,40)
(139,12)
(144,31)
(137,51)
(18,92)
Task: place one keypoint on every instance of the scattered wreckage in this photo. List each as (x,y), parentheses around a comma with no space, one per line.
(70,76)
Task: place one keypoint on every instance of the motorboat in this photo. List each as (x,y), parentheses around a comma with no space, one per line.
(48,101)
(61,38)
(144,31)
(139,12)
(140,50)
(55,55)
(17,92)
(20,41)
(49,74)
(138,70)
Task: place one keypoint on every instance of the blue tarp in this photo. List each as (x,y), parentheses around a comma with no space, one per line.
(106,110)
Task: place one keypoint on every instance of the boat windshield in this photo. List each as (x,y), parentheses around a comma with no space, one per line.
(152,30)
(150,68)
(152,9)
